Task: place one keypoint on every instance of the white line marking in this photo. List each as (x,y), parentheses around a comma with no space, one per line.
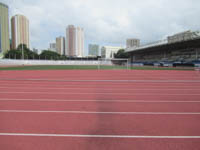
(113,89)
(103,93)
(100,136)
(93,112)
(108,101)
(117,86)
(55,80)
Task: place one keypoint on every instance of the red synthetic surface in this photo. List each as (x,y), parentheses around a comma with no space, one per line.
(147,91)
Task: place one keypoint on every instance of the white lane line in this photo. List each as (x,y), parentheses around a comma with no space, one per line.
(103,93)
(113,89)
(108,101)
(93,112)
(117,86)
(148,81)
(100,136)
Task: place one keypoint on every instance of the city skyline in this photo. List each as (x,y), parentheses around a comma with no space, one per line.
(148,21)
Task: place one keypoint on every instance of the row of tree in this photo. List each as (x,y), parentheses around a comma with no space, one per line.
(121,54)
(22,52)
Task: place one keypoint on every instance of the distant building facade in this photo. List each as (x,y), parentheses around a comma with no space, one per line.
(132,43)
(71,40)
(60,45)
(20,31)
(80,42)
(74,41)
(183,36)
(4,28)
(93,50)
(52,47)
(109,51)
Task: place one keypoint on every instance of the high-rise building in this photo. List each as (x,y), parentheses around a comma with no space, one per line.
(52,47)
(93,50)
(4,28)
(60,45)
(74,41)
(71,41)
(20,31)
(132,43)
(80,41)
(109,51)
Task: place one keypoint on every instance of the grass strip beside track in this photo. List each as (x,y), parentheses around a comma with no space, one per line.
(85,67)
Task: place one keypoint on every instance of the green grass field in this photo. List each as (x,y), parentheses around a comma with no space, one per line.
(65,67)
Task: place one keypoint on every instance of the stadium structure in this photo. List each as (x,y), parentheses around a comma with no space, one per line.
(179,49)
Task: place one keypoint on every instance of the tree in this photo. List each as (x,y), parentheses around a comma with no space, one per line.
(49,55)
(17,53)
(13,54)
(121,54)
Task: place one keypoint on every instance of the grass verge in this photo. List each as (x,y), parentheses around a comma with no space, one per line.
(74,67)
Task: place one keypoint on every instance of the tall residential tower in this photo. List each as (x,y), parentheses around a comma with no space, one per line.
(74,41)
(60,45)
(71,41)
(80,41)
(4,28)
(20,31)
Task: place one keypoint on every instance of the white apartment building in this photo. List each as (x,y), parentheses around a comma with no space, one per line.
(60,45)
(109,51)
(52,47)
(74,41)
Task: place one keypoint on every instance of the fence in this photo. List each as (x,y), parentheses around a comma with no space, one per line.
(46,62)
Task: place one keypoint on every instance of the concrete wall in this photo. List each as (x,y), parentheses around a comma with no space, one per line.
(44,62)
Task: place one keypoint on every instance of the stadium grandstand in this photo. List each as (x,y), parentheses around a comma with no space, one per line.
(182,49)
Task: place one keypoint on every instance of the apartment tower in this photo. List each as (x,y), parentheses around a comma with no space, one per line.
(4,28)
(71,41)
(74,41)
(20,31)
(60,45)
(132,43)
(80,41)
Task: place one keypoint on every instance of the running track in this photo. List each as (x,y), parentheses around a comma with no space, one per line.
(99,110)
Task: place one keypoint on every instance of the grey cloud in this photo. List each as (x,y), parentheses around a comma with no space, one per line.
(108,21)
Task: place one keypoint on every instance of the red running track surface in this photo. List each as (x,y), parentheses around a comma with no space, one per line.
(95,110)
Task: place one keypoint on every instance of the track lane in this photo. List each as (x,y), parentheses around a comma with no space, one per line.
(100,124)
(63,143)
(93,124)
(179,97)
(110,106)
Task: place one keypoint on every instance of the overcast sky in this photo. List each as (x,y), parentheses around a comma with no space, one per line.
(107,22)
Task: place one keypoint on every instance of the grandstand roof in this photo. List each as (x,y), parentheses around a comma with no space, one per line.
(194,43)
